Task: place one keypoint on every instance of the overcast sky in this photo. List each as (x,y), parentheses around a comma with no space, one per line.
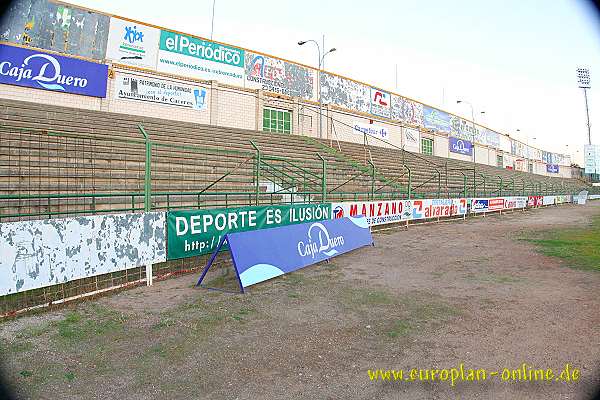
(513,59)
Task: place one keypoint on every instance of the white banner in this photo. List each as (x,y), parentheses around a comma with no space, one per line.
(134,87)
(132,43)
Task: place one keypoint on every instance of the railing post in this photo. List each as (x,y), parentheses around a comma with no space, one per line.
(464,184)
(372,179)
(439,184)
(474,175)
(257,171)
(148,170)
(501,185)
(147,191)
(323,179)
(513,186)
(409,181)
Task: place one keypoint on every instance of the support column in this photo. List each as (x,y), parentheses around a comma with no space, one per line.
(260,103)
(214,103)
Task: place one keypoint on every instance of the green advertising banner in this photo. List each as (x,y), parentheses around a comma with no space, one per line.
(197,232)
(202,49)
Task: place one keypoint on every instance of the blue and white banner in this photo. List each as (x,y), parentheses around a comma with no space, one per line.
(40,70)
(552,168)
(268,253)
(460,146)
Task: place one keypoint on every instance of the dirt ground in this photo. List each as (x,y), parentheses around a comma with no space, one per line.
(434,296)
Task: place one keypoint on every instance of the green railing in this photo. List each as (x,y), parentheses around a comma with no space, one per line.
(47,174)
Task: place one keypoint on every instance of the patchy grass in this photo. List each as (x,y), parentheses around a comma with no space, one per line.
(580,247)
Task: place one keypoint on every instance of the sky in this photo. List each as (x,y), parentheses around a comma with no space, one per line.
(515,60)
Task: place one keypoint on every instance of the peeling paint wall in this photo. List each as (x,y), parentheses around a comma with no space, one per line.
(39,253)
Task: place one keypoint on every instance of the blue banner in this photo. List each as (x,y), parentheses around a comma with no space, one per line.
(460,146)
(552,168)
(268,253)
(480,205)
(40,70)
(436,119)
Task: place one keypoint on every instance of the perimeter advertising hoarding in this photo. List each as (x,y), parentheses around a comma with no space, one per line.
(132,43)
(200,59)
(141,88)
(40,70)
(197,232)
(394,211)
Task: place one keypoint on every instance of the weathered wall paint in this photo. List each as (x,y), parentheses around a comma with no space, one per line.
(39,253)
(51,26)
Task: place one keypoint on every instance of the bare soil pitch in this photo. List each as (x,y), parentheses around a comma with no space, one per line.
(434,296)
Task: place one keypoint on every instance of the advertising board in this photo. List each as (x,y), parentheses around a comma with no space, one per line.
(151,90)
(132,43)
(196,232)
(40,70)
(460,146)
(201,59)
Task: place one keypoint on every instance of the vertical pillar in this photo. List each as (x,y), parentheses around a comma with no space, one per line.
(214,103)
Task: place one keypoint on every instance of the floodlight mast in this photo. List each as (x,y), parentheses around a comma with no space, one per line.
(583,79)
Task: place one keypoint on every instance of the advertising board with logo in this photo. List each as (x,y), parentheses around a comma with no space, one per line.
(196,232)
(380,103)
(515,202)
(496,204)
(372,130)
(480,205)
(201,59)
(265,254)
(36,69)
(460,146)
(141,88)
(535,201)
(376,212)
(278,76)
(436,119)
(552,168)
(132,43)
(433,208)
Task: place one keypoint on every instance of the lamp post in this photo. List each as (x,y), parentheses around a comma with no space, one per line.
(321,59)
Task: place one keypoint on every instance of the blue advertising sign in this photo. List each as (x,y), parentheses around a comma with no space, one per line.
(460,146)
(480,205)
(40,70)
(267,253)
(552,168)
(436,119)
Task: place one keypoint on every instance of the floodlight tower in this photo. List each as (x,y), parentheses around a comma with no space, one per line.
(583,79)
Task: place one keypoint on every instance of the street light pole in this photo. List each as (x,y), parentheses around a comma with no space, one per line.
(321,59)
